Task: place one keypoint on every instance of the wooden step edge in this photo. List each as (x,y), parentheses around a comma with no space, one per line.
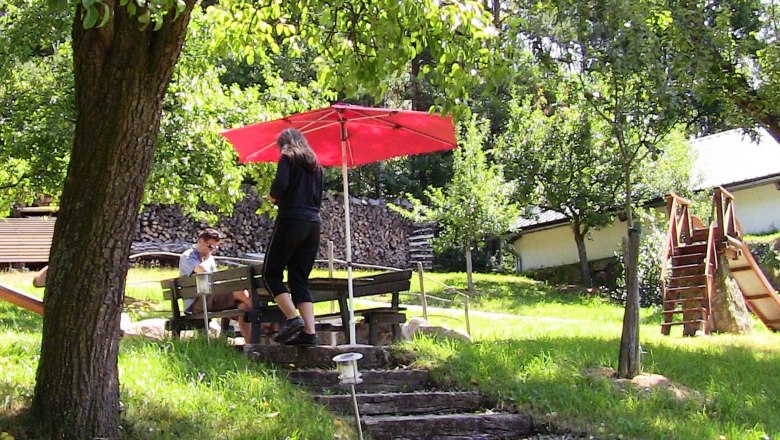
(696,309)
(696,254)
(694,321)
(687,266)
(674,301)
(700,278)
(685,288)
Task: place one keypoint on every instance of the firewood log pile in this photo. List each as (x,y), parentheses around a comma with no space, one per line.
(379,235)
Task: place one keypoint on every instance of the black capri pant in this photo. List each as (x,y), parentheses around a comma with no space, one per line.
(294,245)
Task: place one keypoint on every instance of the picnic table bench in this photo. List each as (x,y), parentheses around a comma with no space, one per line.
(265,310)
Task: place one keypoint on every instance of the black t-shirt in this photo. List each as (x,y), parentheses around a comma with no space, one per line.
(298,191)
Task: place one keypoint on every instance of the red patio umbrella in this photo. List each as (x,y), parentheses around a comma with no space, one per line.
(349,135)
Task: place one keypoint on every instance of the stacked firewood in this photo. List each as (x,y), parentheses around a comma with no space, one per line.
(379,235)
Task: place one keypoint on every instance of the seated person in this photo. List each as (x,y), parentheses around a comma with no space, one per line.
(40,277)
(198,259)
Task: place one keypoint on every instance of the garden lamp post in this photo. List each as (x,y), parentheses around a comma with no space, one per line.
(203,288)
(346,363)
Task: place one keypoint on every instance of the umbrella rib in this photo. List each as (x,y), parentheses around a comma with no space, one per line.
(379,118)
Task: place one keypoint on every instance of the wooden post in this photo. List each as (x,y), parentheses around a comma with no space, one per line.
(330,271)
(330,258)
(628,363)
(423,298)
(466,310)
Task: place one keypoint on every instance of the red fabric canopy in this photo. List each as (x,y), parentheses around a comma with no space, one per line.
(370,134)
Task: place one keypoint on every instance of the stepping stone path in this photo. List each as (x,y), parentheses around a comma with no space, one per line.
(396,403)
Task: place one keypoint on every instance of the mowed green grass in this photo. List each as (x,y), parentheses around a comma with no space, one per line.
(531,352)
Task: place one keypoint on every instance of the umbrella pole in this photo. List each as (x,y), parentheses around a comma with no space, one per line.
(348,233)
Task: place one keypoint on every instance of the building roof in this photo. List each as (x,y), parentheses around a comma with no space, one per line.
(730,159)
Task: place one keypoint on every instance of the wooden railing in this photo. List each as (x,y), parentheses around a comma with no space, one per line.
(710,269)
(728,225)
(679,230)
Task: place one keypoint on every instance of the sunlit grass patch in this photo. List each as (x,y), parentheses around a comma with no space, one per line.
(189,389)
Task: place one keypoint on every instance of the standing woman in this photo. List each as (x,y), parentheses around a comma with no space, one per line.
(297,191)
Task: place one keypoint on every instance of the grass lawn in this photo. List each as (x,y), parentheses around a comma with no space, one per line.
(532,352)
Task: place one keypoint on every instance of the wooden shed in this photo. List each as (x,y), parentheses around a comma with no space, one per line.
(25,240)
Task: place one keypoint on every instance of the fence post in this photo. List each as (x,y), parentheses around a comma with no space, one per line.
(423,298)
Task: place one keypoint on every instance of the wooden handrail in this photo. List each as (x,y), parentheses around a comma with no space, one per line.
(679,228)
(711,267)
(728,225)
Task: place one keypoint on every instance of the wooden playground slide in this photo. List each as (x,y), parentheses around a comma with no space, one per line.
(21,299)
(759,294)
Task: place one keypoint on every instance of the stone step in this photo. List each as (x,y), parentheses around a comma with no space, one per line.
(431,402)
(450,427)
(318,357)
(374,381)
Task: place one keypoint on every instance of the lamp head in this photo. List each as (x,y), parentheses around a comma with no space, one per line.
(346,363)
(203,283)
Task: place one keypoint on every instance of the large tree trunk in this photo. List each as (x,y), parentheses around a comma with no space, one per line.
(582,253)
(121,74)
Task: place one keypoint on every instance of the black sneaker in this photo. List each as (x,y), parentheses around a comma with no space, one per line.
(304,339)
(289,329)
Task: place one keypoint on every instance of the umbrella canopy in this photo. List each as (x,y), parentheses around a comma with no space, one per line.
(349,135)
(371,134)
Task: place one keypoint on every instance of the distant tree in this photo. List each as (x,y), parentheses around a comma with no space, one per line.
(193,165)
(475,204)
(633,88)
(561,159)
(736,76)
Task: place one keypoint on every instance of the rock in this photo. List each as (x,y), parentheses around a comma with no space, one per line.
(420,325)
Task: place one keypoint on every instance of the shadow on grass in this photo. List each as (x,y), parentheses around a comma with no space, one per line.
(545,377)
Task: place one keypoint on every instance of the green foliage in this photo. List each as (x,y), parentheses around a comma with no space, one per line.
(560,155)
(282,58)
(735,45)
(36,103)
(477,201)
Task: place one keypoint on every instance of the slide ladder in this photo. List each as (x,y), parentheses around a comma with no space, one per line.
(692,260)
(21,299)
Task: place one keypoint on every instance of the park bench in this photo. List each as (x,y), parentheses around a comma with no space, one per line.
(264,310)
(224,281)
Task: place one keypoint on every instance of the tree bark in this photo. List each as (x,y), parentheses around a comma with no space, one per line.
(121,74)
(629,360)
(582,253)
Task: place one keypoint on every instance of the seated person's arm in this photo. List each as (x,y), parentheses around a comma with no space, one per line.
(191,265)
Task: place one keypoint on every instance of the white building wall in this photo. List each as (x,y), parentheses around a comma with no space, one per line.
(758,209)
(555,246)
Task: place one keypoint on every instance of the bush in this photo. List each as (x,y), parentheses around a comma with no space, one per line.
(768,258)
(651,245)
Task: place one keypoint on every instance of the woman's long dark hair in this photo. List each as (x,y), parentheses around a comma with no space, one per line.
(293,145)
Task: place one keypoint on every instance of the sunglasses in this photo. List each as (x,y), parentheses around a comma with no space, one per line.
(213,246)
